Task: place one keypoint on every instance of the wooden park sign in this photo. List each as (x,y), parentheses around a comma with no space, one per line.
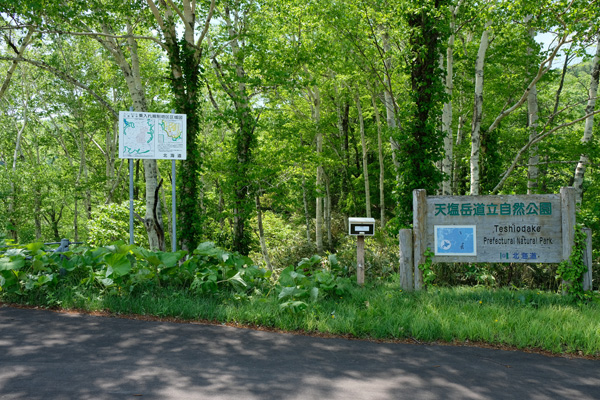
(498,229)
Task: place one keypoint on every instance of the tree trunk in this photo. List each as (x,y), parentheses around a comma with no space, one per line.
(365,165)
(390,108)
(316,114)
(478,112)
(184,60)
(327,213)
(261,234)
(532,124)
(381,163)
(13,188)
(306,213)
(589,126)
(447,111)
(244,141)
(133,79)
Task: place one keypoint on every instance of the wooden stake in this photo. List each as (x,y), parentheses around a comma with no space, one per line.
(587,259)
(419,228)
(360,260)
(406,259)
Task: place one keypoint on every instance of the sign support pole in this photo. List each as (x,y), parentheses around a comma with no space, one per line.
(173,204)
(130,197)
(360,259)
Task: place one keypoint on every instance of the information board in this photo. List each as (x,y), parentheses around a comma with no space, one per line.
(152,135)
(511,228)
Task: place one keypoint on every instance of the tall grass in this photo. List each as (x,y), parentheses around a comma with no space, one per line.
(519,318)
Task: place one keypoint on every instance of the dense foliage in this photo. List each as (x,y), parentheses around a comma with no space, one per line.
(299,116)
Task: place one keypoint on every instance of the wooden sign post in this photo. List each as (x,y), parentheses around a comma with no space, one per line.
(361,227)
(360,260)
(493,229)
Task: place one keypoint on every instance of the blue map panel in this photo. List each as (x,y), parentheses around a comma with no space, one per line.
(455,240)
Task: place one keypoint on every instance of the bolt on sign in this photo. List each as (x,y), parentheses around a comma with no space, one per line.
(499,229)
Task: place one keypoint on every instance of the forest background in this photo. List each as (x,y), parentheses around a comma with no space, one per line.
(299,115)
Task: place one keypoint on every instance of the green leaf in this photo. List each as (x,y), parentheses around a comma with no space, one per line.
(238,278)
(314,294)
(119,263)
(34,247)
(310,262)
(147,255)
(171,259)
(11,263)
(287,292)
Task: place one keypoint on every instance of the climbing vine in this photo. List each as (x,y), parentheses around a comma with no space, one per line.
(427,269)
(420,135)
(571,271)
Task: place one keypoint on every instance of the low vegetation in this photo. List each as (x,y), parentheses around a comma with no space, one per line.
(317,295)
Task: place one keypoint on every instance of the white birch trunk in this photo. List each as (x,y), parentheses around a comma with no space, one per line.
(478,112)
(13,189)
(327,213)
(390,109)
(314,96)
(153,215)
(381,164)
(261,234)
(13,65)
(532,112)
(319,182)
(589,126)
(363,143)
(305,202)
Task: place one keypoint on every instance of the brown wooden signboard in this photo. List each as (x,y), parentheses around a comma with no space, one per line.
(499,229)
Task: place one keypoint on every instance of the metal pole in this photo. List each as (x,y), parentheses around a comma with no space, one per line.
(173,204)
(130,196)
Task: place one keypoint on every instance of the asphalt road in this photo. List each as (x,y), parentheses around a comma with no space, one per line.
(48,355)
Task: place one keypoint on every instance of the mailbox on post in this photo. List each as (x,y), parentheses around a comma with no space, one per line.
(361,226)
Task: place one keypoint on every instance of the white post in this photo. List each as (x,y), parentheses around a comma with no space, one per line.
(130,196)
(173,204)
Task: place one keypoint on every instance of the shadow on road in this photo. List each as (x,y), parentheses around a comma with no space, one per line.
(47,355)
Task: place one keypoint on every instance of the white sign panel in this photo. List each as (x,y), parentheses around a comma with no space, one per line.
(155,136)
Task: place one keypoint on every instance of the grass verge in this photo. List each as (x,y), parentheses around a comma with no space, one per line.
(524,319)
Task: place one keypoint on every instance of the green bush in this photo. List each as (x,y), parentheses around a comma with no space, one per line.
(110,223)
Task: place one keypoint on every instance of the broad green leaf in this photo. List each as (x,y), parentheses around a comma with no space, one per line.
(34,247)
(286,292)
(170,259)
(119,263)
(310,262)
(147,255)
(11,263)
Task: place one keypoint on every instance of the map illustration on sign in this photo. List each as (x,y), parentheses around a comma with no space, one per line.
(455,240)
(152,135)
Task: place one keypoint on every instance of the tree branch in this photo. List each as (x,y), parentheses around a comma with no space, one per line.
(538,138)
(66,77)
(541,72)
